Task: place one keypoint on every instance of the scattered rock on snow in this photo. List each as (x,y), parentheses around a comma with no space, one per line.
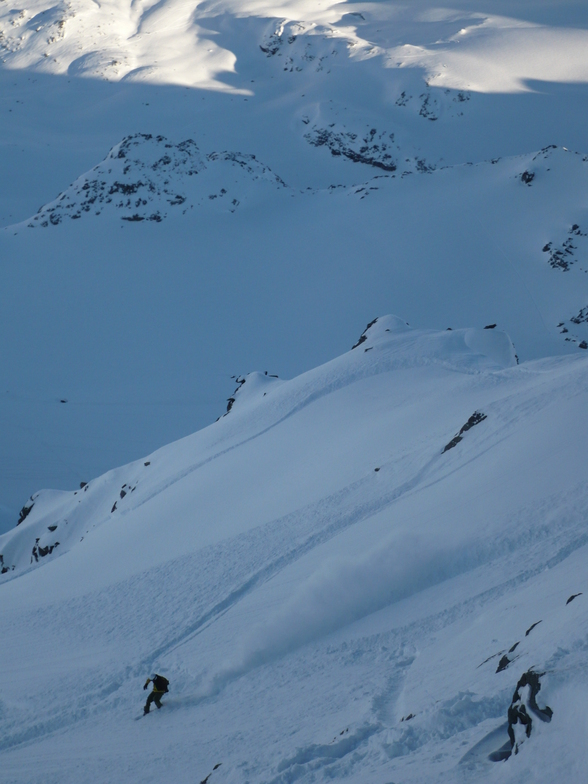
(205,780)
(475,419)
(428,108)
(231,400)
(41,552)
(145,177)
(257,387)
(26,510)
(363,336)
(564,255)
(373,148)
(522,709)
(530,629)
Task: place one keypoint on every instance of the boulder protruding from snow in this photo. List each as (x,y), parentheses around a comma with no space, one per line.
(474,420)
(25,511)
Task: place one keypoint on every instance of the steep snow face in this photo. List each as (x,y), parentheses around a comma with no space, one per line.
(350,575)
(367,572)
(140,323)
(55,520)
(183,279)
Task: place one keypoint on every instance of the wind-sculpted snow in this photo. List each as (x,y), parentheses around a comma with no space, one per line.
(173,43)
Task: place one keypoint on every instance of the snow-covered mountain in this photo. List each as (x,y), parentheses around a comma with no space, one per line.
(136,293)
(139,324)
(363,568)
(344,578)
(144,177)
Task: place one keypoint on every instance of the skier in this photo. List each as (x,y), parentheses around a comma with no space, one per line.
(160,685)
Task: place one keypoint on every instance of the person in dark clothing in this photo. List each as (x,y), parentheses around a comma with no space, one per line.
(160,687)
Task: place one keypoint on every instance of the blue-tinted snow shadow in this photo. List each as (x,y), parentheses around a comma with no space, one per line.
(155,319)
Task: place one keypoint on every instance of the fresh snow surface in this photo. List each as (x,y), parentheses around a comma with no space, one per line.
(140,346)
(355,572)
(291,169)
(329,578)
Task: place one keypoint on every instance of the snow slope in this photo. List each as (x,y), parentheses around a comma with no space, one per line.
(231,269)
(330,576)
(139,324)
(355,574)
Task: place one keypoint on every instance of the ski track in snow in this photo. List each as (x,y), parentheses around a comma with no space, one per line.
(346,576)
(350,97)
(252,560)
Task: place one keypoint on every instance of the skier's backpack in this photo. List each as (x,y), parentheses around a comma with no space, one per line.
(160,683)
